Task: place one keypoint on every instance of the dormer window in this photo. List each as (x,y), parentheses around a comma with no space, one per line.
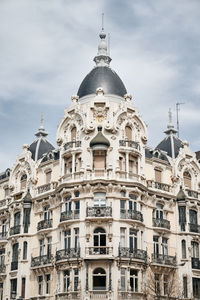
(23,181)
(187,179)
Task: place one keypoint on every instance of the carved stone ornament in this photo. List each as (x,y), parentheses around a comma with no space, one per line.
(128,97)
(75,98)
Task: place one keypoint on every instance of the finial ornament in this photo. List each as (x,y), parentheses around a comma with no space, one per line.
(170,116)
(41,130)
(170,126)
(102,58)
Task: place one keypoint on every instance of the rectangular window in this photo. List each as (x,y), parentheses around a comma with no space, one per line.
(134,280)
(76,238)
(77,209)
(156,244)
(99,199)
(3,228)
(26,220)
(164,246)
(25,250)
(123,279)
(48,177)
(67,239)
(159,212)
(42,247)
(122,237)
(49,240)
(48,280)
(23,287)
(13,288)
(165,285)
(47,213)
(157,284)
(75,279)
(196,287)
(182,217)
(185,289)
(1,290)
(123,209)
(17,219)
(158,175)
(132,239)
(40,285)
(66,276)
(15,252)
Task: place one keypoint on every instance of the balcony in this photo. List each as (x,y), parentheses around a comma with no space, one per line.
(14,265)
(74,144)
(42,260)
(99,250)
(192,194)
(46,187)
(132,253)
(99,212)
(69,215)
(44,224)
(195,263)
(163,259)
(99,295)
(68,295)
(130,144)
(159,186)
(161,223)
(15,230)
(67,254)
(131,214)
(194,228)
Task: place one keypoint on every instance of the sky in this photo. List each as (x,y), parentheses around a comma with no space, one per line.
(47,48)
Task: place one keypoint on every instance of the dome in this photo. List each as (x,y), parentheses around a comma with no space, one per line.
(105,77)
(41,145)
(171,144)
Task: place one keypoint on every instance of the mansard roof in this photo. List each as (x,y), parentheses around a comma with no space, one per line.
(171,144)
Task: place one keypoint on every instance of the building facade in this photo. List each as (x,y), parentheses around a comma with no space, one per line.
(102,216)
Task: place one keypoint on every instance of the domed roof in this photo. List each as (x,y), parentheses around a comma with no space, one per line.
(41,145)
(181,195)
(105,77)
(171,144)
(99,140)
(102,75)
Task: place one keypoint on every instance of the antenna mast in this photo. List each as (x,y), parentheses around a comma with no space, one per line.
(177,115)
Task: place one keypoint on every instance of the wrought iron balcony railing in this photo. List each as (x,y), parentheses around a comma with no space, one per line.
(131,214)
(3,236)
(15,230)
(44,224)
(67,253)
(132,253)
(163,259)
(99,211)
(74,144)
(163,223)
(195,263)
(99,250)
(41,260)
(14,265)
(194,228)
(131,144)
(69,215)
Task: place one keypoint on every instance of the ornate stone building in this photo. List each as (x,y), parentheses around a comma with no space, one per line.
(101,216)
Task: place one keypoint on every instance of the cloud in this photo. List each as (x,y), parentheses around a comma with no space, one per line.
(47,48)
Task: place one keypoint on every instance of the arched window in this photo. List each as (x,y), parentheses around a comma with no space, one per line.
(128,133)
(99,279)
(73,134)
(187,179)
(99,241)
(23,181)
(195,249)
(183,248)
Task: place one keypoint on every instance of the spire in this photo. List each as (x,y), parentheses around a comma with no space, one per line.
(170,126)
(41,131)
(102,58)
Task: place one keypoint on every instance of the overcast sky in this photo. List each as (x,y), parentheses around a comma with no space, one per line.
(47,48)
